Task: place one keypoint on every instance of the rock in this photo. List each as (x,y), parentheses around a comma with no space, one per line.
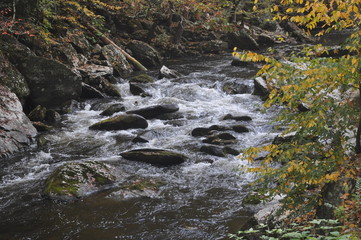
(331,196)
(253,198)
(242,40)
(139,188)
(118,107)
(165,72)
(240,129)
(139,139)
(109,89)
(236,88)
(213,150)
(69,106)
(141,78)
(121,122)
(237,62)
(68,55)
(287,138)
(296,32)
(42,127)
(213,46)
(303,107)
(90,92)
(155,156)
(137,90)
(12,78)
(237,118)
(116,58)
(92,71)
(229,150)
(145,54)
(200,132)
(16,131)
(77,39)
(155,111)
(38,114)
(220,139)
(51,83)
(52,116)
(219,128)
(261,88)
(76,180)
(264,39)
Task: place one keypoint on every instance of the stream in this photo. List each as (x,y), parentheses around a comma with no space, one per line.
(201,198)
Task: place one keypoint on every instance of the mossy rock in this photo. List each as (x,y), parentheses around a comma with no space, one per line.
(253,198)
(118,107)
(76,180)
(142,78)
(144,184)
(38,114)
(158,157)
(121,122)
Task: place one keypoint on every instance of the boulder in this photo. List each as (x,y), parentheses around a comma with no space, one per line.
(141,78)
(76,180)
(155,156)
(118,107)
(121,122)
(12,78)
(237,62)
(139,188)
(155,111)
(109,89)
(220,139)
(52,116)
(296,32)
(145,54)
(261,88)
(237,118)
(117,59)
(165,72)
(38,114)
(236,87)
(16,131)
(242,40)
(229,150)
(77,39)
(240,129)
(137,89)
(90,92)
(42,127)
(213,150)
(51,83)
(68,55)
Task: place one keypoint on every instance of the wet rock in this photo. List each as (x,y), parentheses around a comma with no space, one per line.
(141,78)
(93,71)
(200,132)
(242,40)
(213,150)
(219,128)
(52,116)
(121,122)
(109,89)
(139,188)
(116,58)
(155,156)
(78,41)
(69,106)
(264,39)
(68,54)
(51,83)
(38,114)
(220,139)
(90,92)
(118,107)
(145,54)
(155,111)
(236,88)
(139,139)
(261,88)
(137,90)
(165,72)
(42,127)
(237,62)
(229,150)
(12,78)
(253,198)
(237,118)
(287,138)
(16,131)
(240,129)
(76,180)
(213,46)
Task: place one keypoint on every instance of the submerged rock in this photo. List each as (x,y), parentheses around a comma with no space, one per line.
(155,156)
(76,180)
(121,122)
(118,107)
(155,111)
(213,150)
(16,130)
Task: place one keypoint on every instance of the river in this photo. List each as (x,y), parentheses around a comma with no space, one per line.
(202,198)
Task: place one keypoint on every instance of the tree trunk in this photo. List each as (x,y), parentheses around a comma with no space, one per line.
(106,40)
(179,32)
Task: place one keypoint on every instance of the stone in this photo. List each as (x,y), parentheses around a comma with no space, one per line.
(77,39)
(236,88)
(13,79)
(240,129)
(242,40)
(76,180)
(42,127)
(165,72)
(264,39)
(213,150)
(229,150)
(16,131)
(109,89)
(117,59)
(137,89)
(121,122)
(158,157)
(92,71)
(115,108)
(237,118)
(220,139)
(68,55)
(52,116)
(139,139)
(261,88)
(90,92)
(145,53)
(155,111)
(237,62)
(296,32)
(51,83)
(287,138)
(141,78)
(38,114)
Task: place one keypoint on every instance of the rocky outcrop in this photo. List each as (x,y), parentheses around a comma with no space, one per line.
(261,88)
(76,180)
(16,130)
(155,156)
(236,87)
(121,122)
(144,53)
(155,111)
(90,92)
(116,59)
(242,40)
